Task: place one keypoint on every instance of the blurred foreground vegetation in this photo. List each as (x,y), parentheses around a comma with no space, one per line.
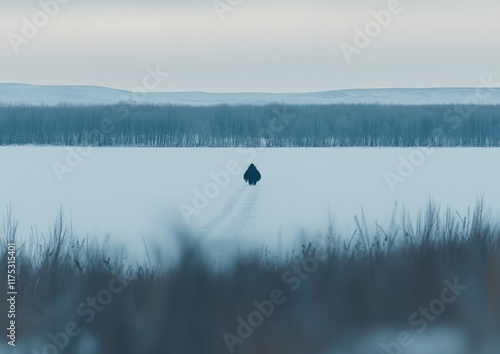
(325,298)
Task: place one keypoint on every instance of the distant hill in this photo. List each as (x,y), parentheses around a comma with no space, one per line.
(53,95)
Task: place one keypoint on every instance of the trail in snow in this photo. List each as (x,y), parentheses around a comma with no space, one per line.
(229,229)
(234,199)
(235,214)
(239,221)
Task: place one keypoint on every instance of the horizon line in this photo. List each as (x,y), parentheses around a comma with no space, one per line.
(253,92)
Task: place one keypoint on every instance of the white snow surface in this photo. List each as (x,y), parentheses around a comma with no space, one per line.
(53,95)
(130,193)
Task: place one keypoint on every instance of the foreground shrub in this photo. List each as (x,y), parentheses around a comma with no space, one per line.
(440,271)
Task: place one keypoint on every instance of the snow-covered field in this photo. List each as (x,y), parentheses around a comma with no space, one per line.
(129,193)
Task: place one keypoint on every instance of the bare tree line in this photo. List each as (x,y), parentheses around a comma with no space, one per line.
(127,124)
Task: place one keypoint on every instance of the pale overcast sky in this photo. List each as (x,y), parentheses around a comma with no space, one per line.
(260,45)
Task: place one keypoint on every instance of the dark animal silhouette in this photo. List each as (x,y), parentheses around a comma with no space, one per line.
(252,175)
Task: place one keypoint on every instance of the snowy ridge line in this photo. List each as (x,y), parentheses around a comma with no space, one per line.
(93,95)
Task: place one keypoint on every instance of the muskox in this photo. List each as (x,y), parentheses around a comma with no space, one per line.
(252,175)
